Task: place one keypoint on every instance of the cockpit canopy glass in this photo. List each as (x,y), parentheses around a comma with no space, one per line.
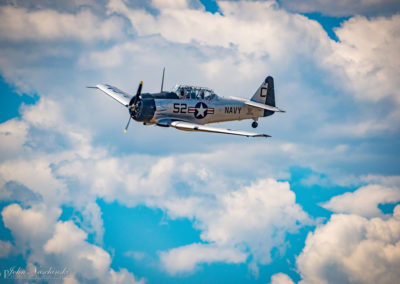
(197,93)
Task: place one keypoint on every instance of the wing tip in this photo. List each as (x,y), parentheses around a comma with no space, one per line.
(263,135)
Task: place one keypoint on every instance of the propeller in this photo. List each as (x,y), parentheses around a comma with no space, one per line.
(133,103)
(138,94)
(127,125)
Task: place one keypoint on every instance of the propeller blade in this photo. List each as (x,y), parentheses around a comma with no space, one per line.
(127,125)
(138,93)
(132,104)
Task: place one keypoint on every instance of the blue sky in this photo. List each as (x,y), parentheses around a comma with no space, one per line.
(316,203)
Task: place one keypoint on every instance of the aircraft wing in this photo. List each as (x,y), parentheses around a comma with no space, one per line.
(258,105)
(189,126)
(118,95)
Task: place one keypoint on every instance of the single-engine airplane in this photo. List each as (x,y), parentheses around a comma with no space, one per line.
(190,108)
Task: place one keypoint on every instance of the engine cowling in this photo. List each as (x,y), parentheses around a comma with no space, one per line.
(143,110)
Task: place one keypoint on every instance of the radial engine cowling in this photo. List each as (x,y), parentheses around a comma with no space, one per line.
(144,110)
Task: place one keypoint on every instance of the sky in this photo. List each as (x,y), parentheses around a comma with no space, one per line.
(318,202)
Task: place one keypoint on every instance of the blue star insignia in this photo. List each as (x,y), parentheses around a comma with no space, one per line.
(200,110)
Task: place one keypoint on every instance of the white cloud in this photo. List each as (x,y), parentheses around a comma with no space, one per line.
(281,278)
(66,237)
(30,226)
(12,137)
(5,248)
(344,7)
(259,208)
(45,114)
(68,243)
(20,24)
(170,4)
(239,26)
(364,201)
(186,258)
(123,276)
(367,52)
(48,242)
(36,175)
(256,217)
(384,180)
(352,249)
(361,129)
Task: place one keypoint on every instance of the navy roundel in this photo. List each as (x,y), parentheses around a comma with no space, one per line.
(200,110)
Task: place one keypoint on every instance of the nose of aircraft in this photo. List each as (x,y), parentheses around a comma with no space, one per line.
(133,105)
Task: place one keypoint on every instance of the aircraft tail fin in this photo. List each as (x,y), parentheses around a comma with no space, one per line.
(266,94)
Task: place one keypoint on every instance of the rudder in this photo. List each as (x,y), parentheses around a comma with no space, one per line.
(266,94)
(270,100)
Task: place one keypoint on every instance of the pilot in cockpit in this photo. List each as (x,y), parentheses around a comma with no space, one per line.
(202,94)
(181,94)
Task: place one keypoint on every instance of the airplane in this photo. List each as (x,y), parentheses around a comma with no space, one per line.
(190,108)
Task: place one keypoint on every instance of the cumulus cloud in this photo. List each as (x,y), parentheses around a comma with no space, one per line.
(20,24)
(239,20)
(343,8)
(370,64)
(185,259)
(176,4)
(384,180)
(48,242)
(13,136)
(367,68)
(5,248)
(281,278)
(352,249)
(256,217)
(31,226)
(364,201)
(68,243)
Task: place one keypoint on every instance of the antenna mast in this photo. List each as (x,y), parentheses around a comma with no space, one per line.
(162,81)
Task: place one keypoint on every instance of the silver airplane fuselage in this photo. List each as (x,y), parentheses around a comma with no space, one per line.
(219,109)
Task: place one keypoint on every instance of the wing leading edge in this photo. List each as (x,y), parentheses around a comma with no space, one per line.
(189,126)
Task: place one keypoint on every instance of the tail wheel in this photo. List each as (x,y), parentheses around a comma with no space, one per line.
(254,124)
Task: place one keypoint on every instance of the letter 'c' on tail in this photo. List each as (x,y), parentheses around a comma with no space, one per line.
(266,94)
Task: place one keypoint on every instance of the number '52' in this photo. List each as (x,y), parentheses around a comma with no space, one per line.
(180,108)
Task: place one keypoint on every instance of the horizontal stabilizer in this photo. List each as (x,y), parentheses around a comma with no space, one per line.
(258,105)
